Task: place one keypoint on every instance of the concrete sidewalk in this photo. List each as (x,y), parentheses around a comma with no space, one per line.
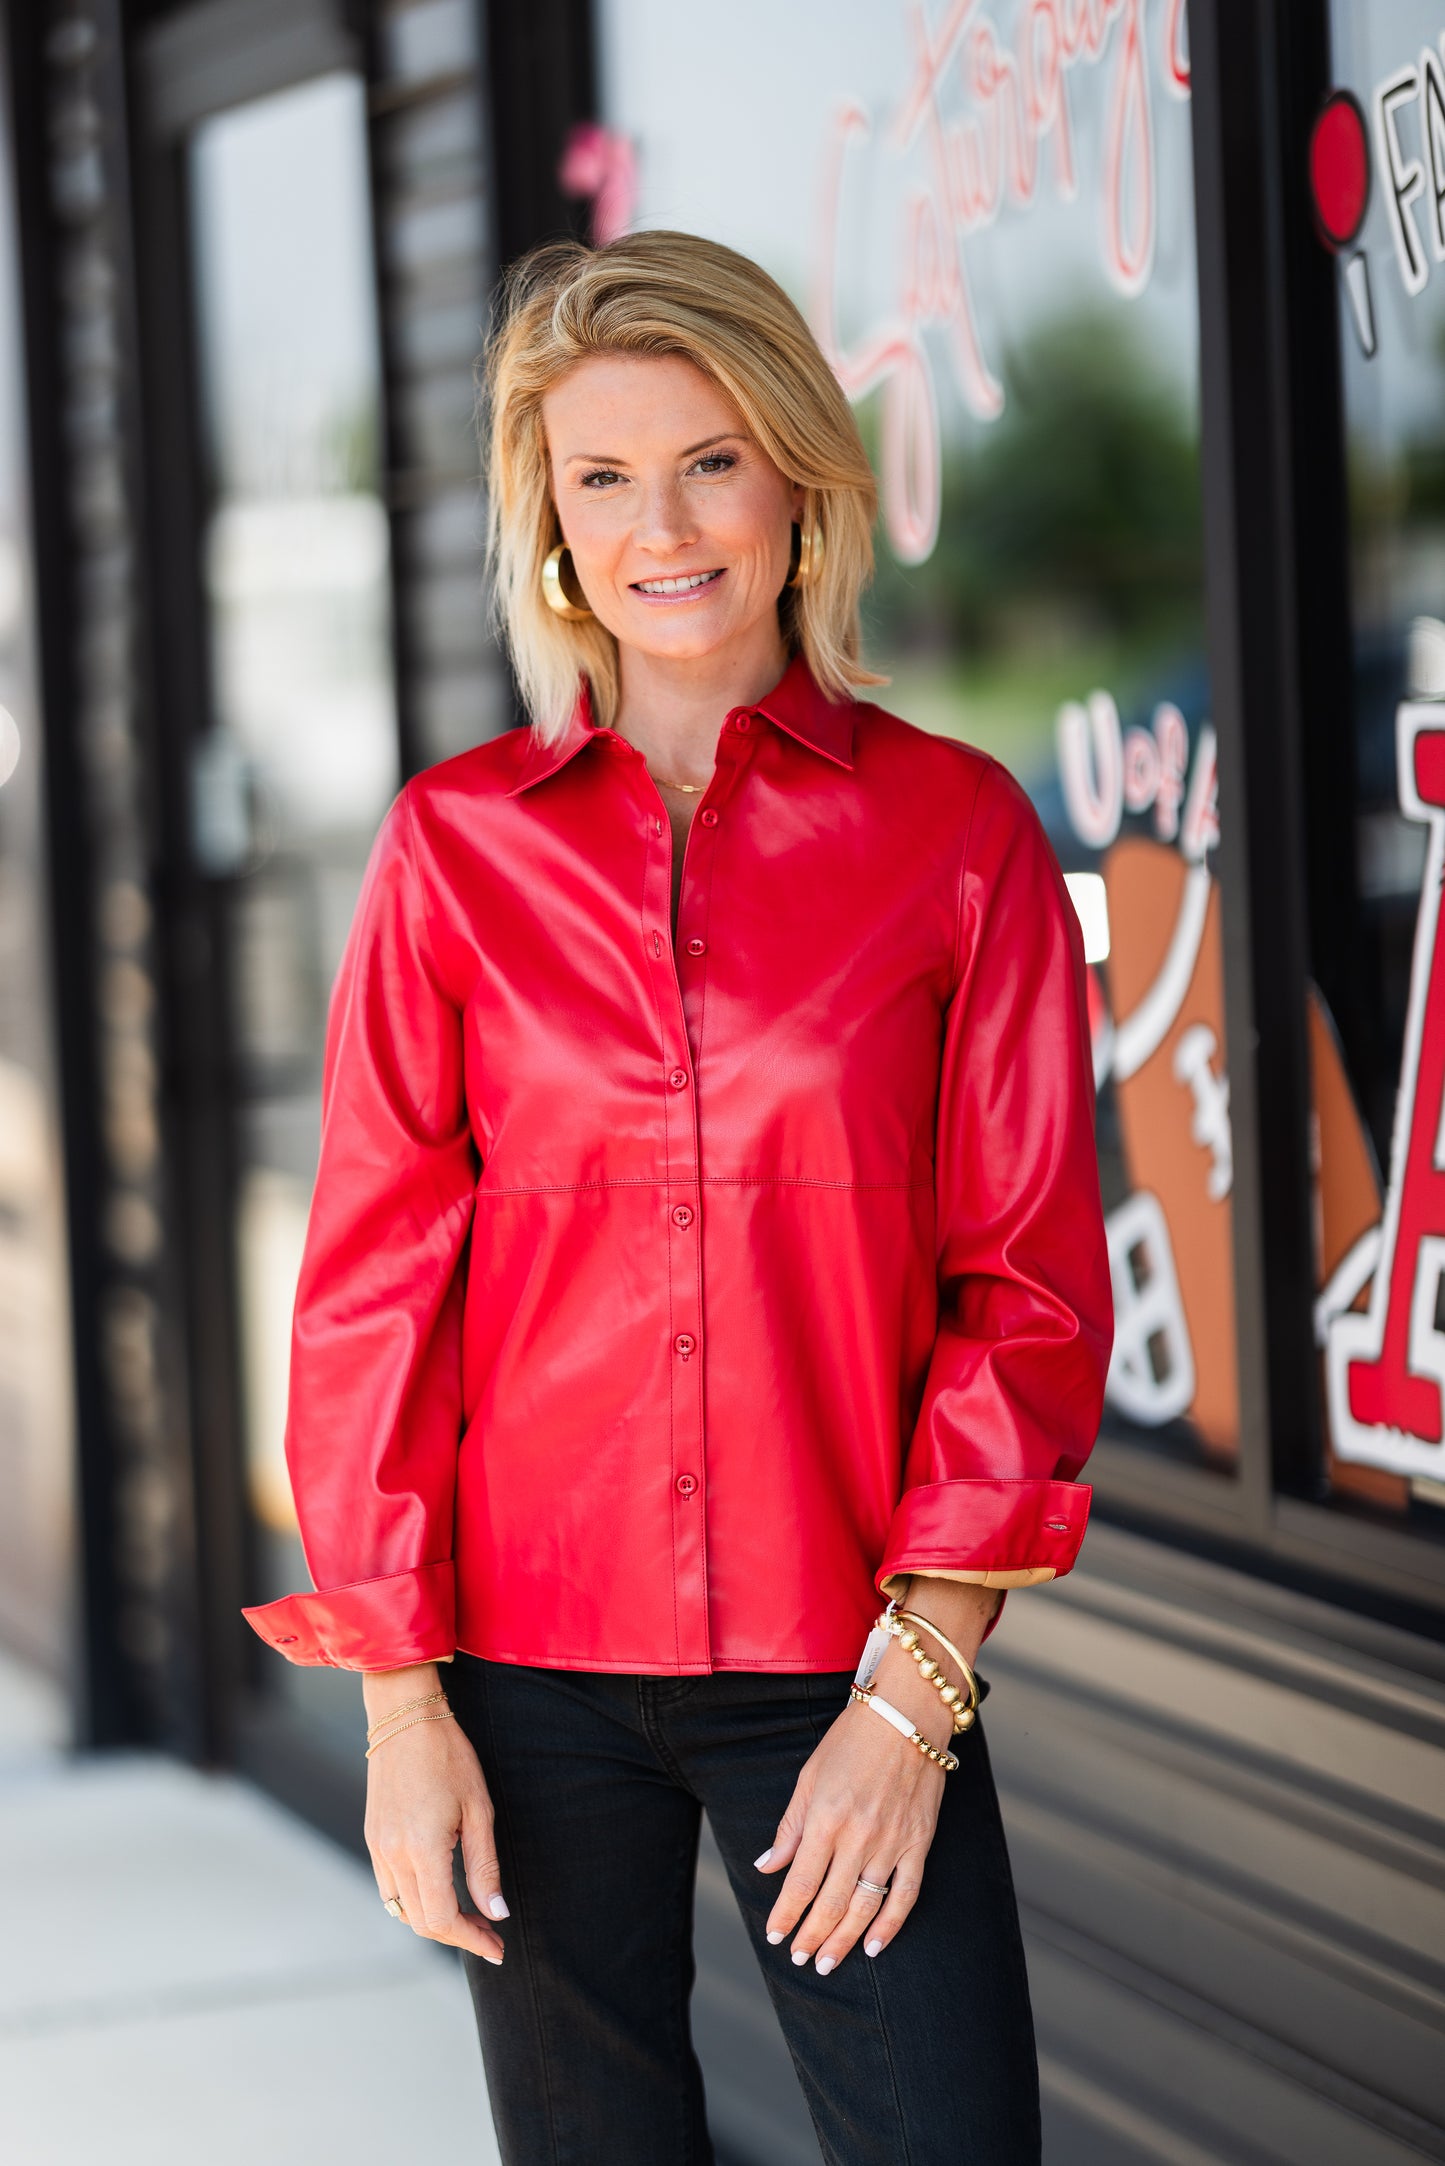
(189,1974)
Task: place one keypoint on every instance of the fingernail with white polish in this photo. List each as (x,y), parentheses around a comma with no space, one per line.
(873,1947)
(494,1960)
(800,1955)
(825,1964)
(759,1863)
(773,1939)
(498,1907)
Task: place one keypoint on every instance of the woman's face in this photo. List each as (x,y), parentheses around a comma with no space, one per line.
(678,522)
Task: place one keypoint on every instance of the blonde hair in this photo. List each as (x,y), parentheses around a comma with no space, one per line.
(665,293)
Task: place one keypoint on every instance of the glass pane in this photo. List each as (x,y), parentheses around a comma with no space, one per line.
(300,762)
(994,240)
(1378,1024)
(36,1435)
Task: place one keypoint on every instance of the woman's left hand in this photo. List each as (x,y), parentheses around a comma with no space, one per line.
(866,1805)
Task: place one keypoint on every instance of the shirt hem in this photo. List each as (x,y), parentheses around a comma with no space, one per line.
(651,1666)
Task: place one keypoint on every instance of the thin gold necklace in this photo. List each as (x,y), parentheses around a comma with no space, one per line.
(693,789)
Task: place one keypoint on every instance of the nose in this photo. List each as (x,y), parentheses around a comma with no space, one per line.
(664,524)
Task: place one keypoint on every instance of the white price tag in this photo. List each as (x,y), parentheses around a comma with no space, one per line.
(874,1649)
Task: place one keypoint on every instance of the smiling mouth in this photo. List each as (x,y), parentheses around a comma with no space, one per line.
(689,583)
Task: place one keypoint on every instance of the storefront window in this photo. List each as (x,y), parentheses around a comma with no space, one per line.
(1377,172)
(301,760)
(36,1435)
(987,215)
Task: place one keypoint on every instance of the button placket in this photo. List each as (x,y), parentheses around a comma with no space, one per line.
(681,1118)
(684,1467)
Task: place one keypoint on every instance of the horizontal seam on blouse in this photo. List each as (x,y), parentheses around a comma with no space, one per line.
(789,1180)
(735,1180)
(1021,1481)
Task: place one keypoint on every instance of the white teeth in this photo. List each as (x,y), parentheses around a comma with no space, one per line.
(676,586)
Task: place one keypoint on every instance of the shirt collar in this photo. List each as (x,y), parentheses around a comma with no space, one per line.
(799,707)
(795,704)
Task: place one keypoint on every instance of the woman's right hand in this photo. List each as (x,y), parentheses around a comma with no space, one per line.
(424,1791)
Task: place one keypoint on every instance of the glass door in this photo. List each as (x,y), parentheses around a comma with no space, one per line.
(300,758)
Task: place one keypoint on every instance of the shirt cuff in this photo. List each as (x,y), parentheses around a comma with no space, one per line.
(374,1624)
(989,1530)
(1029,1575)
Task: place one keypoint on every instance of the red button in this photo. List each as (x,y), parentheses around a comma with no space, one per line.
(742,722)
(686,1485)
(708,817)
(682,1216)
(678,1079)
(697,947)
(684,1342)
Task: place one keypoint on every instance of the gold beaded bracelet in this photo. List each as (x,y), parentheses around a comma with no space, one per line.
(443,1714)
(905,1628)
(407,1707)
(923,1624)
(936,1753)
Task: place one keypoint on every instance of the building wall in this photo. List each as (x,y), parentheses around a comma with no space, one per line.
(436,248)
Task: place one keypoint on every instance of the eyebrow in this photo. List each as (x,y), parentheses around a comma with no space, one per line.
(724,436)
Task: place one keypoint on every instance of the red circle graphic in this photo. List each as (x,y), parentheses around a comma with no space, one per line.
(1340,168)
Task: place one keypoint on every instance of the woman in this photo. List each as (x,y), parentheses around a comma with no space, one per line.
(706,1241)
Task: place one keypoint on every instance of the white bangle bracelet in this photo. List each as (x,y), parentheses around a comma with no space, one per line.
(892,1714)
(900,1722)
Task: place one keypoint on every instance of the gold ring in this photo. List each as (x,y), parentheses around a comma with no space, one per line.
(872,1887)
(391,1904)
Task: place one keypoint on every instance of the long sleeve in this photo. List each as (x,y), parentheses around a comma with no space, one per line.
(375,1407)
(1014,1389)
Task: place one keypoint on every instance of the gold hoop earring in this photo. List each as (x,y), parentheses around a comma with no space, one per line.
(808,557)
(554,594)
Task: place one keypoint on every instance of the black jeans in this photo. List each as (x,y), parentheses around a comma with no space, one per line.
(922,2055)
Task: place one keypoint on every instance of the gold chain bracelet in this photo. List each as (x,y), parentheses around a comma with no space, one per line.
(442,1715)
(407,1707)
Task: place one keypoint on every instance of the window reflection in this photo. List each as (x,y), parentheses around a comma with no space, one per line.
(301,759)
(1378,178)
(996,247)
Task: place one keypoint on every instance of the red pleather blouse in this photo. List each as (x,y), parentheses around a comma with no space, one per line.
(660,1301)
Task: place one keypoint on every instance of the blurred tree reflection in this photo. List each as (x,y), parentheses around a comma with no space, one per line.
(1074,518)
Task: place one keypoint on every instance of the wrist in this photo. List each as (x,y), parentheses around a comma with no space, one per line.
(961,1608)
(382,1690)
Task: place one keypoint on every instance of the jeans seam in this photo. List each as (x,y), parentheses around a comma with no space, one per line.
(652,1731)
(1020,1964)
(686,2049)
(684,1940)
(906,2154)
(530,1969)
